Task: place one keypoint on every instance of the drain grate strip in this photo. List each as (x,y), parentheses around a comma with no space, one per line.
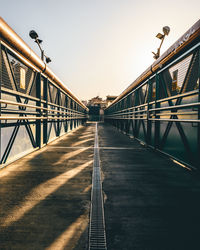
(97,236)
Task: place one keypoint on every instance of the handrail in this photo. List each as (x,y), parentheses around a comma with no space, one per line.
(38,107)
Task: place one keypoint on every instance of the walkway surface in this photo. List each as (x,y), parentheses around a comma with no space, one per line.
(150,203)
(45,197)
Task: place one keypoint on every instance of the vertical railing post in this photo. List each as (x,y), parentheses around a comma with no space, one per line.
(58,113)
(127,116)
(136,114)
(121,120)
(74,110)
(45,122)
(66,113)
(157,105)
(148,114)
(198,136)
(75,120)
(70,113)
(0,96)
(77,115)
(38,103)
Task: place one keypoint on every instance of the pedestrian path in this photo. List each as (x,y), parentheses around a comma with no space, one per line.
(45,197)
(149,202)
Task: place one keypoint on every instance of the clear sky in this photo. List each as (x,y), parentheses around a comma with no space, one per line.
(98,47)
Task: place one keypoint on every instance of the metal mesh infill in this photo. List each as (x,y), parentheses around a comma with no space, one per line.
(97,236)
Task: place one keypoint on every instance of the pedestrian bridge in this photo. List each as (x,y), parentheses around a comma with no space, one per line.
(131,182)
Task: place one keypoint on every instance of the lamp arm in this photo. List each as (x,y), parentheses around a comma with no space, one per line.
(158,51)
(162,41)
(42,51)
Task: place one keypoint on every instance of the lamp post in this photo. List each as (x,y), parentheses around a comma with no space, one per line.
(160,36)
(34,36)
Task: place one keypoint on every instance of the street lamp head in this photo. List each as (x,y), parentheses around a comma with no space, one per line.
(39,41)
(166,30)
(33,34)
(160,36)
(48,59)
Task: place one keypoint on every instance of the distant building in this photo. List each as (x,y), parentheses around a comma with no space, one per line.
(96,107)
(97,101)
(110,99)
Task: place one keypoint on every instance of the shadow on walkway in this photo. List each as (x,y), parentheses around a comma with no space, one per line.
(45,197)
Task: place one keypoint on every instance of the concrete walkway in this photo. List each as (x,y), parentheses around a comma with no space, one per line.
(45,197)
(150,203)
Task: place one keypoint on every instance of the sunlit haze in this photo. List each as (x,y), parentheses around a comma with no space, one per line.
(98,47)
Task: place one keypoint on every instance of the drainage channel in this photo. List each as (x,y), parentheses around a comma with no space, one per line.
(97,236)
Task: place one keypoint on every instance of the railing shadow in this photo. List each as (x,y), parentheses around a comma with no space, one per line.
(46,200)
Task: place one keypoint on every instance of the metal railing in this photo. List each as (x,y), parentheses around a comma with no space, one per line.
(35,107)
(163,110)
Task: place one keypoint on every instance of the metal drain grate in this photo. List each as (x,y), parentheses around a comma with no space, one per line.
(97,236)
